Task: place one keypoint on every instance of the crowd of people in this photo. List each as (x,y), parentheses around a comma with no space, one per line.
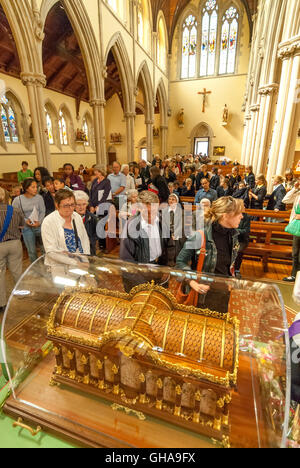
(65,214)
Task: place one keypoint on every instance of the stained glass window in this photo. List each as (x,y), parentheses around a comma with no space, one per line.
(63,129)
(209,38)
(85,128)
(5,125)
(140,23)
(9,123)
(189,47)
(13,125)
(229,38)
(49,128)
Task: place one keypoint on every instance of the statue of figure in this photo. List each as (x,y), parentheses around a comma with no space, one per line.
(180,118)
(225,114)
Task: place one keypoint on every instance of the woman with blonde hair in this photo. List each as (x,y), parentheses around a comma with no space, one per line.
(222,246)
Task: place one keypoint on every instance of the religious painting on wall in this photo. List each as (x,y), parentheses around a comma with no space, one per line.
(219,151)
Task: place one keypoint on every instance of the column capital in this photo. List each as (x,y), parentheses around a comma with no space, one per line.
(268,89)
(98,103)
(289,48)
(254,108)
(164,127)
(248,117)
(149,122)
(129,115)
(33,79)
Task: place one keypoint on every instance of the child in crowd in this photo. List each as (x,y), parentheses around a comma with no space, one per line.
(59,184)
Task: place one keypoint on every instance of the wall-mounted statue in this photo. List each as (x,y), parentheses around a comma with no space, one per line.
(180,118)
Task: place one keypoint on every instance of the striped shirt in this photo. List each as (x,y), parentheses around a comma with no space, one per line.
(17,221)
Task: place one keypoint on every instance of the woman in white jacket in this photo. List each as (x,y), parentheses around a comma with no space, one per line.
(293,197)
(63,230)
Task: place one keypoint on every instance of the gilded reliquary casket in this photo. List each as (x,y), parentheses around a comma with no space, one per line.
(145,351)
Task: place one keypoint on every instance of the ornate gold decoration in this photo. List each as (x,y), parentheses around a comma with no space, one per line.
(198,395)
(115,369)
(217,424)
(143,398)
(56,351)
(72,374)
(84,360)
(139,414)
(99,364)
(101,385)
(178,390)
(70,355)
(225,420)
(225,442)
(159,383)
(58,370)
(53,383)
(86,379)
(158,404)
(116,390)
(142,378)
(196,418)
(177,411)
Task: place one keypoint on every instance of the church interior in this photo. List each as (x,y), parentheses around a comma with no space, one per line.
(176,84)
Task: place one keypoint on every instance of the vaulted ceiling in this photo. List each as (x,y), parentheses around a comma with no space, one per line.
(62,59)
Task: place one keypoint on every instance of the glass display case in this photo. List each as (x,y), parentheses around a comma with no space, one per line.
(109,354)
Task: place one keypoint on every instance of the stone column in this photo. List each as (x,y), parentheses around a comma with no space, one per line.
(261,149)
(99,129)
(287,105)
(130,120)
(245,140)
(164,139)
(253,131)
(35,84)
(149,130)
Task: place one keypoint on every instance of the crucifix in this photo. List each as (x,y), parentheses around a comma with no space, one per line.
(204,93)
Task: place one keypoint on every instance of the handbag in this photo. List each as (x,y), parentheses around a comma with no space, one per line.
(294,226)
(7,221)
(191,299)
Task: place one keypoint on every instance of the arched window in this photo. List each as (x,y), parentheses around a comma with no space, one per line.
(229,37)
(189,47)
(63,129)
(209,38)
(161,45)
(140,25)
(86,131)
(9,123)
(49,128)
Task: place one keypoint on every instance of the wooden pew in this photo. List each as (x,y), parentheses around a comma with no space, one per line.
(269,241)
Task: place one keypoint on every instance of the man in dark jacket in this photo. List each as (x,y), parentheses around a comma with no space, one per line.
(142,241)
(159,185)
(144,174)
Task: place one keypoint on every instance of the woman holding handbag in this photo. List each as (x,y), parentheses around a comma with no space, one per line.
(293,197)
(213,250)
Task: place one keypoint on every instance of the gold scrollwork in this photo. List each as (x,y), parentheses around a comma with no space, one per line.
(138,414)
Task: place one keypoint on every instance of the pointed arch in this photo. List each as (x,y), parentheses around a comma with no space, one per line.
(202,130)
(70,125)
(83,29)
(162,41)
(19,16)
(51,109)
(117,47)
(90,124)
(145,77)
(163,102)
